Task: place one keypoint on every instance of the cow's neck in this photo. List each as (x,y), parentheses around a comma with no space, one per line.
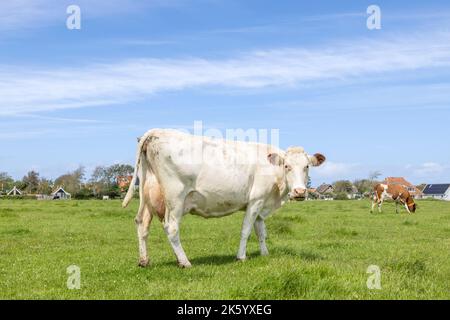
(283,187)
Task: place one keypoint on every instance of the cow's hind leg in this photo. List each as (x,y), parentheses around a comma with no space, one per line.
(249,219)
(143,220)
(172,229)
(260,229)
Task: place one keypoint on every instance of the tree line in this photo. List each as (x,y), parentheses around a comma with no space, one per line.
(362,187)
(103,181)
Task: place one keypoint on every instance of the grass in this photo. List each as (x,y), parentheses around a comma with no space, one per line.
(319,250)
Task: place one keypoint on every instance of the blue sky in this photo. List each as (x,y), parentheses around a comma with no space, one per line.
(368,99)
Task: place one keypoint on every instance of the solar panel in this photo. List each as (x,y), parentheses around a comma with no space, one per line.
(436,188)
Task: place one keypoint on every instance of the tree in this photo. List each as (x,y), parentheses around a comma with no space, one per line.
(308,184)
(113,191)
(72,181)
(83,194)
(342,186)
(30,182)
(98,179)
(363,185)
(104,179)
(374,175)
(6,182)
(45,186)
(120,170)
(341,196)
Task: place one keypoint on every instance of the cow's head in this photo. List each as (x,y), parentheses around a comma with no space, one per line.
(411,205)
(296,163)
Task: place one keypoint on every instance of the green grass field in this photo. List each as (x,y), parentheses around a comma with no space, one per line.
(319,250)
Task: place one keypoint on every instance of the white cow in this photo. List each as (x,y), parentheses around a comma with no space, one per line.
(181,173)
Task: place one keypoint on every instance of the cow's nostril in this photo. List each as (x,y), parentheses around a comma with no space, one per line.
(300,192)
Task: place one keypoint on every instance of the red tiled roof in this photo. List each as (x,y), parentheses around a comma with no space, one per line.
(402,181)
(398,180)
(124,181)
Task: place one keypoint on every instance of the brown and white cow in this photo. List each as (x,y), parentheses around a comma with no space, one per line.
(184,174)
(396,192)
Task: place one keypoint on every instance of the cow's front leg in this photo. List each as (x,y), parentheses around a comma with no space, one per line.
(249,220)
(374,202)
(407,208)
(143,220)
(172,229)
(260,229)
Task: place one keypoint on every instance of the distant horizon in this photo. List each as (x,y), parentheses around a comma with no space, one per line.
(313,185)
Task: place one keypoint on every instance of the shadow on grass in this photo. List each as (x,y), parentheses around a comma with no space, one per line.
(216,259)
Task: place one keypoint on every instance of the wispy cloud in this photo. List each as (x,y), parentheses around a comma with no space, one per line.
(379,96)
(335,170)
(300,22)
(23,134)
(28,89)
(142,42)
(60,119)
(430,170)
(24,13)
(27,14)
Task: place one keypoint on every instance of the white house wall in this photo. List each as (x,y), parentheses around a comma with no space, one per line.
(447,195)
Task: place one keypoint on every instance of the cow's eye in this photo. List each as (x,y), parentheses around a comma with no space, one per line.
(307,167)
(288,167)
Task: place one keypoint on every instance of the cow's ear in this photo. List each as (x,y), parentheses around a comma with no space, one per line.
(275,159)
(317,159)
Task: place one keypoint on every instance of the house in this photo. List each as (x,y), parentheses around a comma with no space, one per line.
(325,191)
(123,182)
(413,190)
(61,194)
(14,192)
(437,191)
(312,193)
(325,188)
(354,193)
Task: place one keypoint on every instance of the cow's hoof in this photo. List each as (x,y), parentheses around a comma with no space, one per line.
(186,264)
(143,262)
(238,259)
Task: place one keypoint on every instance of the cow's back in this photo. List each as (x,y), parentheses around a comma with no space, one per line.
(396,191)
(217,176)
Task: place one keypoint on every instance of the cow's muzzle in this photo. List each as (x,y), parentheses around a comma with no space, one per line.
(298,194)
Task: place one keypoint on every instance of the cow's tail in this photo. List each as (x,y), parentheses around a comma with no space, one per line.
(139,158)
